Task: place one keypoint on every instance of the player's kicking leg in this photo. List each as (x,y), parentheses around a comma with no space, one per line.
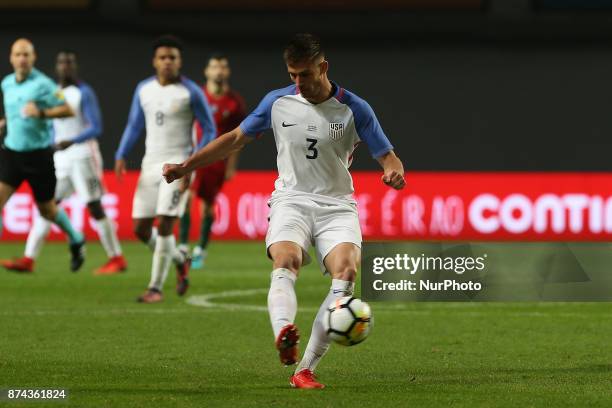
(342,263)
(282,301)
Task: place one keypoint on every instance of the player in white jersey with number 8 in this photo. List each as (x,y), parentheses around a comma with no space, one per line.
(164,106)
(317,125)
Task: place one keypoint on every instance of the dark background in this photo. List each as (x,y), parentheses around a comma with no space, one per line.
(508,85)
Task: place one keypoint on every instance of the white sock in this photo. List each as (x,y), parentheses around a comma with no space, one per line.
(108,237)
(153,239)
(36,237)
(318,344)
(177,256)
(282,302)
(162,257)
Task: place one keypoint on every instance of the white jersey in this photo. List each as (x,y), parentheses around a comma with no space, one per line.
(83,128)
(167,114)
(315,143)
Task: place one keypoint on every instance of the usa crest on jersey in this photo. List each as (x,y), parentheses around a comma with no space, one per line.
(336,130)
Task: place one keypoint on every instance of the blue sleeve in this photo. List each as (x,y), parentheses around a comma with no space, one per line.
(202,112)
(91,112)
(260,119)
(368,128)
(134,128)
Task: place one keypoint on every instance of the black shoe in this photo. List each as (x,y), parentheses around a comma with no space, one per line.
(78,255)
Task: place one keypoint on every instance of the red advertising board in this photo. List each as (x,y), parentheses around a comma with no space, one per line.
(433,206)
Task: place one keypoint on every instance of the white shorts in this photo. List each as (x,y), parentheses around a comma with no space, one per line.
(155,197)
(83,176)
(308,222)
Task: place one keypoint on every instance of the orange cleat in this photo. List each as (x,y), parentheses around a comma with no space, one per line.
(116,264)
(305,379)
(151,296)
(24,264)
(287,344)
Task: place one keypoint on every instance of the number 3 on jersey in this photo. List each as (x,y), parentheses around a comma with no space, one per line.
(312,151)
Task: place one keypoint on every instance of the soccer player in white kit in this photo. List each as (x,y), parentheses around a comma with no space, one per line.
(317,125)
(78,167)
(164,105)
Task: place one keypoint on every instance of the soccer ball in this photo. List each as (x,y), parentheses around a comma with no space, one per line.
(348,320)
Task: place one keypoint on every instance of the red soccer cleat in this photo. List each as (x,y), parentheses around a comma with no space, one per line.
(151,296)
(305,379)
(24,264)
(116,264)
(182,275)
(287,344)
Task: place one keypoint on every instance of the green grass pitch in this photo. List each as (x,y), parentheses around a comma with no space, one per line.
(88,335)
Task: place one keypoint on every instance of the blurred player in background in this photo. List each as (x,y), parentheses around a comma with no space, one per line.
(165,106)
(228,110)
(30,100)
(317,126)
(78,167)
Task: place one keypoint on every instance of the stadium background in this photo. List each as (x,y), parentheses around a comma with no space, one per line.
(459,86)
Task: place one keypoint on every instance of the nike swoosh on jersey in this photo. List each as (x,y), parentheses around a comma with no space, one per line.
(288,124)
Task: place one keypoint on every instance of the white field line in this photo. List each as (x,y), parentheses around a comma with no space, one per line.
(207,303)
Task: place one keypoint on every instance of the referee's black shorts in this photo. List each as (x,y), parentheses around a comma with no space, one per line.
(36,167)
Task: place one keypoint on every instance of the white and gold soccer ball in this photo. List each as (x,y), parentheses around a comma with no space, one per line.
(348,320)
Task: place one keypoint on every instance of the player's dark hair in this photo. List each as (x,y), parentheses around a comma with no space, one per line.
(303,47)
(168,40)
(217,56)
(67,52)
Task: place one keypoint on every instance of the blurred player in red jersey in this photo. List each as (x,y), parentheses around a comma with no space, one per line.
(228,111)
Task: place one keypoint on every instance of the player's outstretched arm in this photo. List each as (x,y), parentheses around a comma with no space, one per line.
(218,149)
(393,170)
